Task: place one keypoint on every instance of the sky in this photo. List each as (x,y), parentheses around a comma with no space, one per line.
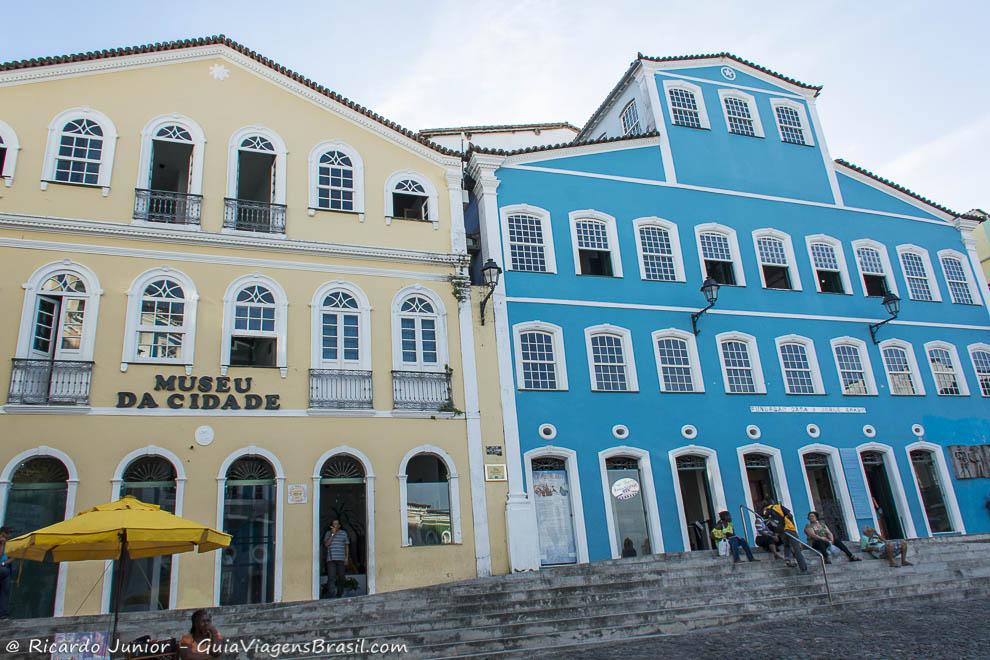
(904,93)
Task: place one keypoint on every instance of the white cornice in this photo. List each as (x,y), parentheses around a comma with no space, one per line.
(893,192)
(583,150)
(653,66)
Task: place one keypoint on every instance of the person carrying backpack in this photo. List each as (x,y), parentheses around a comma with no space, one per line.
(780,520)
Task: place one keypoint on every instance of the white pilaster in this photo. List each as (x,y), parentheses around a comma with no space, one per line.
(966,229)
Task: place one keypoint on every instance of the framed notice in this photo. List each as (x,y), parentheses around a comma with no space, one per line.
(495,472)
(298,493)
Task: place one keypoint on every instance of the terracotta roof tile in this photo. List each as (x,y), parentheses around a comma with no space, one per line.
(495,128)
(562,145)
(729,56)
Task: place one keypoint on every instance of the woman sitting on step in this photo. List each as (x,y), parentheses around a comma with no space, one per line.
(820,538)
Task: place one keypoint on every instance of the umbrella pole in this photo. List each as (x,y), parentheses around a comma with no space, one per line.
(121,570)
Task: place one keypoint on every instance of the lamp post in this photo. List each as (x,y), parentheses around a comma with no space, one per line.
(491,272)
(892,304)
(710,290)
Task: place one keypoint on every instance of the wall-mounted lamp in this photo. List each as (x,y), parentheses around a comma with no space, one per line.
(492,272)
(710,289)
(893,305)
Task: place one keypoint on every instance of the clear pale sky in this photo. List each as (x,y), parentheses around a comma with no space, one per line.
(906,92)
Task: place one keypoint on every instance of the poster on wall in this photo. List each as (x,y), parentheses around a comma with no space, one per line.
(553,517)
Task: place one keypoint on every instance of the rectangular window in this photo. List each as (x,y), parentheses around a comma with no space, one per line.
(874,274)
(773,259)
(658,254)
(789,121)
(827,268)
(609,362)
(955,277)
(917,276)
(738,367)
(675,365)
(851,370)
(718,258)
(797,369)
(526,246)
(944,371)
(593,248)
(79,159)
(898,367)
(684,108)
(538,364)
(981,362)
(252,351)
(740,119)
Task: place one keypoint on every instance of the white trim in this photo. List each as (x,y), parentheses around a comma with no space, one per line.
(632,381)
(109,146)
(837,472)
(754,357)
(361,413)
(884,260)
(777,472)
(974,291)
(357,165)
(675,246)
(611,233)
(549,255)
(945,477)
(919,385)
(440,314)
(668,67)
(433,203)
(567,151)
(559,357)
(829,163)
(956,366)
(653,95)
(714,476)
(71,486)
(647,492)
(896,486)
(363,312)
(577,502)
(840,257)
(699,99)
(864,357)
(281,320)
(785,238)
(452,483)
(972,348)
(369,498)
(198,144)
(845,170)
(809,136)
(135,296)
(813,365)
(750,101)
(91,313)
(280,153)
(13,146)
(690,340)
(929,270)
(730,234)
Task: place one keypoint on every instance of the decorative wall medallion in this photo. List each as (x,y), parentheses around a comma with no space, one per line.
(204,435)
(753,432)
(548,431)
(869,431)
(728,73)
(219,72)
(690,432)
(620,431)
(918,430)
(813,430)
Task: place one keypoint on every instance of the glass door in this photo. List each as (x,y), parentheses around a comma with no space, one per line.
(932,495)
(554,517)
(632,533)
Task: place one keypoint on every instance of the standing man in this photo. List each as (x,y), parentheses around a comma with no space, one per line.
(781,522)
(5,574)
(338,555)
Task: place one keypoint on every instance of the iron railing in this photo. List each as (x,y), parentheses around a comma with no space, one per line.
(422,390)
(172,208)
(339,388)
(247,215)
(50,382)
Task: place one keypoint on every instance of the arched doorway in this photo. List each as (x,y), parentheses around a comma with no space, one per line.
(696,500)
(932,494)
(36,499)
(760,478)
(554,513)
(881,494)
(630,522)
(151,479)
(825,493)
(343,497)
(249,511)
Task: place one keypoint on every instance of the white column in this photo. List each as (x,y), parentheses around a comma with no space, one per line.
(966,229)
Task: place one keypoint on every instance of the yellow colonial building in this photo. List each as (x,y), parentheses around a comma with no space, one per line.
(235,293)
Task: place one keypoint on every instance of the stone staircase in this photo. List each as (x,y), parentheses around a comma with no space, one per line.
(517,615)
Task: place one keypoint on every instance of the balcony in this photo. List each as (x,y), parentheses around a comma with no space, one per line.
(50,382)
(422,390)
(339,389)
(260,217)
(170,208)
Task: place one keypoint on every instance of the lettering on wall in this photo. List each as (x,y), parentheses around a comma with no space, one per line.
(970,461)
(200,393)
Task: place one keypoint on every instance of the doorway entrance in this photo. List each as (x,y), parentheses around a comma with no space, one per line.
(881,494)
(343,497)
(696,497)
(631,530)
(554,514)
(824,493)
(932,495)
(248,563)
(759,474)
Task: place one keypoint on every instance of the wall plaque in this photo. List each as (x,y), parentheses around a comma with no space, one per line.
(970,461)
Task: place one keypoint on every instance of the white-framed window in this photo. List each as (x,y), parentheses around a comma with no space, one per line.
(678,365)
(256,166)
(527,239)
(161,319)
(428,491)
(540,361)
(718,253)
(611,363)
(81,145)
(336,178)
(741,114)
(686,104)
(901,367)
(876,275)
(959,278)
(341,327)
(943,360)
(9,148)
(792,122)
(799,365)
(979,355)
(419,330)
(61,306)
(852,363)
(659,248)
(411,196)
(171,157)
(255,325)
(596,244)
(829,263)
(778,264)
(630,119)
(918,273)
(742,372)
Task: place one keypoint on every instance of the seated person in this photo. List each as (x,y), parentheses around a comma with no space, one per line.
(724,531)
(193,645)
(767,539)
(879,547)
(820,537)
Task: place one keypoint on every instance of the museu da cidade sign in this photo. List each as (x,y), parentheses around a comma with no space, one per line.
(200,393)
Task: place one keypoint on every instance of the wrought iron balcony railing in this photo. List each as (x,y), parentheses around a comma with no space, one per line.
(50,382)
(422,390)
(246,215)
(335,389)
(171,208)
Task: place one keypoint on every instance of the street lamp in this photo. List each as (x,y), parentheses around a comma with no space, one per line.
(710,290)
(892,304)
(491,272)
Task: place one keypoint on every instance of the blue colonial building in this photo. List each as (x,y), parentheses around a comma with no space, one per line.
(631,418)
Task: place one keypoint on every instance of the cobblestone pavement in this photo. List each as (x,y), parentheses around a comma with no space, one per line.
(925,630)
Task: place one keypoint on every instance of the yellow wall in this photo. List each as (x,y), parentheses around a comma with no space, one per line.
(982,234)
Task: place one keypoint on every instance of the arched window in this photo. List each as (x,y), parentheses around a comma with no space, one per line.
(340,337)
(9,148)
(336,174)
(979,354)
(874,268)
(792,122)
(161,319)
(630,119)
(659,249)
(249,515)
(718,252)
(611,363)
(901,367)
(742,372)
(778,265)
(254,325)
(341,360)
(829,264)
(81,144)
(170,180)
(411,196)
(678,365)
(917,268)
(596,244)
(420,332)
(429,504)
(958,278)
(946,370)
(686,104)
(527,239)
(799,365)
(852,361)
(255,182)
(540,363)
(741,114)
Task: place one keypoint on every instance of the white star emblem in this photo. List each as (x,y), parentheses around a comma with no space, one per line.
(728,73)
(219,72)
